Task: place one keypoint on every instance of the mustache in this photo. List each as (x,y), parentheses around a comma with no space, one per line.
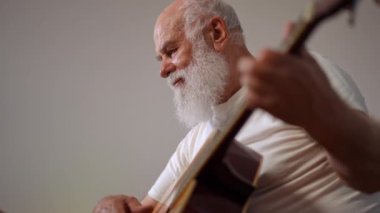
(174,76)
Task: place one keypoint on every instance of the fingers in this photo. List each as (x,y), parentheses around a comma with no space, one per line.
(261,67)
(135,206)
(284,85)
(131,202)
(120,204)
(111,204)
(268,77)
(143,209)
(288,28)
(255,80)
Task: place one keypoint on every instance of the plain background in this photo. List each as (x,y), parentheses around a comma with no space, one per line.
(83,112)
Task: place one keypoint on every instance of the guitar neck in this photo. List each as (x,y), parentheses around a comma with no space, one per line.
(292,44)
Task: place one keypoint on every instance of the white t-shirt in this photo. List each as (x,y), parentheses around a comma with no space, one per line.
(295,175)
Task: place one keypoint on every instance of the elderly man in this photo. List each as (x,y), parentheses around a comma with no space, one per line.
(321,153)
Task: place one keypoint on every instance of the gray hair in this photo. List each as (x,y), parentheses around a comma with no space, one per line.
(196,14)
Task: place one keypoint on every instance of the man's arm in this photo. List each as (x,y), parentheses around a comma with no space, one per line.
(126,204)
(352,140)
(296,90)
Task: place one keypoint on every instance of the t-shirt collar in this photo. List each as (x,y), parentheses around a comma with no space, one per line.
(223,110)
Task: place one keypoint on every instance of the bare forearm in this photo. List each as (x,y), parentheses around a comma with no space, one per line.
(297,91)
(352,140)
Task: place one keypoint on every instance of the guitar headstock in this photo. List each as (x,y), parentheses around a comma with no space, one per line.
(323,9)
(318,11)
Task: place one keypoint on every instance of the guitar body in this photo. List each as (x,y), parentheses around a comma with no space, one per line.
(223,185)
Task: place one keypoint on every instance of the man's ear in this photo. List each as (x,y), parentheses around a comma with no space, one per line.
(218,33)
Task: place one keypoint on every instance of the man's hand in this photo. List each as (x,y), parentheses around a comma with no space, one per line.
(121,204)
(293,88)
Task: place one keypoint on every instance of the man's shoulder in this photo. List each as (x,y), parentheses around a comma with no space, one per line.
(195,139)
(198,128)
(342,82)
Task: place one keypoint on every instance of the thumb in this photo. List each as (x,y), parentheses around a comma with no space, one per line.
(288,29)
(142,209)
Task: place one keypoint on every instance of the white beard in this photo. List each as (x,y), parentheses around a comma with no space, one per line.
(205,79)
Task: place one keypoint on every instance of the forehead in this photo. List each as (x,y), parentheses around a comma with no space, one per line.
(169,27)
(169,30)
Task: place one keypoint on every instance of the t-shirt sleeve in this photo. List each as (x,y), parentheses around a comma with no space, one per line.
(342,83)
(177,163)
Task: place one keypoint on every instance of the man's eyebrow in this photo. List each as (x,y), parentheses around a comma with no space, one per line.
(164,49)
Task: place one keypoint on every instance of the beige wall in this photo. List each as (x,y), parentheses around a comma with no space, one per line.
(83,112)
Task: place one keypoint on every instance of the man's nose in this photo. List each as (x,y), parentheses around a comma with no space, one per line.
(166,68)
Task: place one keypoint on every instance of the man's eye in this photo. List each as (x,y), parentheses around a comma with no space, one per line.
(172,51)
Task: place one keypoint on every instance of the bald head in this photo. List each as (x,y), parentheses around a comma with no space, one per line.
(194,15)
(171,19)
(171,11)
